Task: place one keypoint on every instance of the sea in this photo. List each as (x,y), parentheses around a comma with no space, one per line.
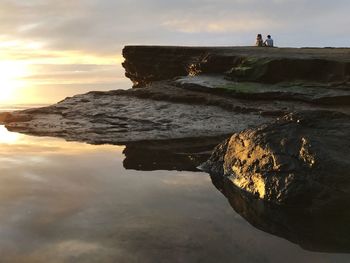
(16,107)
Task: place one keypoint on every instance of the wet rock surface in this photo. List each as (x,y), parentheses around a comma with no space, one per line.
(122,117)
(301,159)
(313,93)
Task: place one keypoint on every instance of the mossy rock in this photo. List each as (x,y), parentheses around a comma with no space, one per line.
(250,69)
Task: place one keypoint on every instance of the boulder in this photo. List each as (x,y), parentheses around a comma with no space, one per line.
(300,159)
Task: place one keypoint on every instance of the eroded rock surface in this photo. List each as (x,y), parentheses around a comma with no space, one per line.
(301,159)
(318,76)
(315,93)
(120,117)
(146,64)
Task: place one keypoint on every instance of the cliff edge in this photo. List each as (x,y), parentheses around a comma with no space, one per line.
(146,64)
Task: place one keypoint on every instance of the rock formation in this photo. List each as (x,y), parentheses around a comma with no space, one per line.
(120,117)
(153,63)
(194,92)
(300,159)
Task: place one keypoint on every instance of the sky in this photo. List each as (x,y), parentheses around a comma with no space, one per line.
(50,49)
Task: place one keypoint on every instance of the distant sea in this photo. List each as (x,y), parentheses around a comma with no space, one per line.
(14,107)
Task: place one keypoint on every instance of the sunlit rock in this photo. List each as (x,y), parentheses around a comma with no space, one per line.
(302,158)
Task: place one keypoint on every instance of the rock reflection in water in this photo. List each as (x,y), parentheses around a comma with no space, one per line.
(178,154)
(324,230)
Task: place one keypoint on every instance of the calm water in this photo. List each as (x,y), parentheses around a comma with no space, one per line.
(72,202)
(14,107)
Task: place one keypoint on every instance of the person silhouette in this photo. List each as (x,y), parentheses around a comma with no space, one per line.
(268,42)
(259,41)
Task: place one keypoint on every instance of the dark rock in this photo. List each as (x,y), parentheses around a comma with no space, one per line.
(317,76)
(146,64)
(7,117)
(302,158)
(4,117)
(132,116)
(315,94)
(274,70)
(215,165)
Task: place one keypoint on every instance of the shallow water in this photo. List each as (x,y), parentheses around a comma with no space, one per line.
(73,202)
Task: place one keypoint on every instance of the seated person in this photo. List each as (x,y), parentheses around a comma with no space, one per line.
(268,42)
(259,41)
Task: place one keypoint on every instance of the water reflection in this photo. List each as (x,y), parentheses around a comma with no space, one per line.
(178,154)
(73,202)
(8,137)
(324,230)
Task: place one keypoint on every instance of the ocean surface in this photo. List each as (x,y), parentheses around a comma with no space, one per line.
(73,202)
(15,107)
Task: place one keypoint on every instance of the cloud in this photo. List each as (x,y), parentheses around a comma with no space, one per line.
(104,26)
(238,25)
(95,31)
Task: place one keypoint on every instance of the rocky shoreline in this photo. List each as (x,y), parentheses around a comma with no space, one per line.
(184,94)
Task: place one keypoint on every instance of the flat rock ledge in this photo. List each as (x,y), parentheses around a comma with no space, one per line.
(121,117)
(300,159)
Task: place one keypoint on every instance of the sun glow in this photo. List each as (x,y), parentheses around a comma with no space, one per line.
(11,74)
(7,137)
(14,142)
(28,74)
